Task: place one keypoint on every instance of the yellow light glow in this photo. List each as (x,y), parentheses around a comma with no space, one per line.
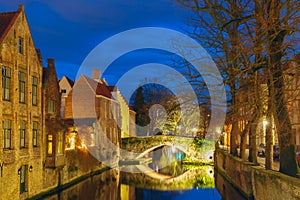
(71,141)
(265,123)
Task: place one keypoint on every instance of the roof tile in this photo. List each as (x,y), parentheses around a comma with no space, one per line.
(6,21)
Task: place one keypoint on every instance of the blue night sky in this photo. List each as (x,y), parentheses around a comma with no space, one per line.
(68,30)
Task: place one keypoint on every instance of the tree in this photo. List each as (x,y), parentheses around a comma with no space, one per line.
(140,107)
(249,41)
(279,24)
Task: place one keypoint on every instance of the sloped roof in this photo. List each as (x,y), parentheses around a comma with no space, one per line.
(69,80)
(112,88)
(7,19)
(99,88)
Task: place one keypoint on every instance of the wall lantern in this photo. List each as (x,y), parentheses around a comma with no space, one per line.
(30,168)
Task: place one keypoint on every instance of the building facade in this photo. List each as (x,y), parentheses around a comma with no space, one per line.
(65,86)
(21,154)
(37,115)
(292,89)
(96,115)
(53,151)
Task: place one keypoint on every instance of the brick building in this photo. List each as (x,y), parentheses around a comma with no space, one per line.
(33,158)
(53,151)
(96,115)
(292,88)
(101,89)
(21,144)
(65,86)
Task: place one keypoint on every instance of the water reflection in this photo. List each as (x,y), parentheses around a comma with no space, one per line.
(167,160)
(169,179)
(226,189)
(114,185)
(104,186)
(147,194)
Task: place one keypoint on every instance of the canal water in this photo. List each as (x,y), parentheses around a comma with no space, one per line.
(165,178)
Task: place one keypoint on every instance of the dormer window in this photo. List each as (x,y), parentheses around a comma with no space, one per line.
(20,45)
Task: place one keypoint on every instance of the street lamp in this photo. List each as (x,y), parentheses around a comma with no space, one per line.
(265,123)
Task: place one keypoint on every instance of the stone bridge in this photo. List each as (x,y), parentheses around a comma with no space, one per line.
(143,145)
(181,148)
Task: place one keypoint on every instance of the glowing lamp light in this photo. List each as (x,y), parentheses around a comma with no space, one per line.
(265,123)
(209,155)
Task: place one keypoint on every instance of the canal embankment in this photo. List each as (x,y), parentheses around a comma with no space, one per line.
(253,181)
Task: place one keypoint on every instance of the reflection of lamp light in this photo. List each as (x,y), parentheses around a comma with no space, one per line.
(30,168)
(209,155)
(210,172)
(19,171)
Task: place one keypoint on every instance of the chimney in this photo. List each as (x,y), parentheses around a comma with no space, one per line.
(96,74)
(50,61)
(21,7)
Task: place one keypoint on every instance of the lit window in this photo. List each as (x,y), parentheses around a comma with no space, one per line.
(22,133)
(22,87)
(6,83)
(20,45)
(35,134)
(51,107)
(34,90)
(49,145)
(6,124)
(60,142)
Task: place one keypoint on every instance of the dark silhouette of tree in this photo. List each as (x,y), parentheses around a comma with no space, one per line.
(140,107)
(250,42)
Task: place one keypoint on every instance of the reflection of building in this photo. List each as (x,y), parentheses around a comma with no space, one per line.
(21,109)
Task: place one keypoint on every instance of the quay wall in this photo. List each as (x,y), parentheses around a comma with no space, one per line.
(255,182)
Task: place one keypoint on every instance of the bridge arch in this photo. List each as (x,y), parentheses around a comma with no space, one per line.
(184,150)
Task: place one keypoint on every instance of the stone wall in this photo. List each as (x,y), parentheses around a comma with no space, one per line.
(254,181)
(79,163)
(237,171)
